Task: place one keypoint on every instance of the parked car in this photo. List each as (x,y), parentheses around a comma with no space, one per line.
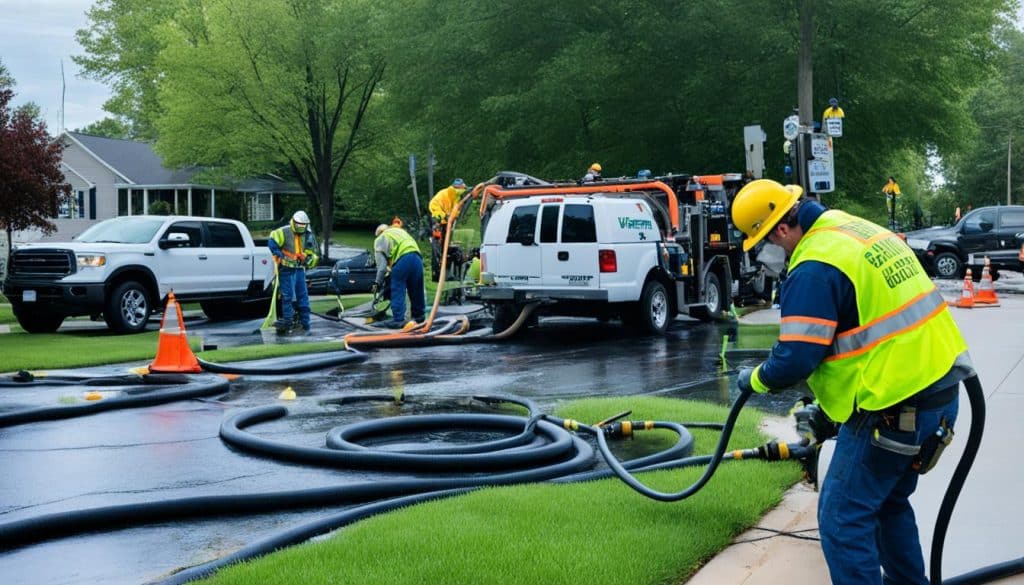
(123,268)
(992,232)
(345,271)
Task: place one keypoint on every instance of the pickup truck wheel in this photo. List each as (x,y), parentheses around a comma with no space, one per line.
(37,319)
(948,265)
(654,308)
(713,300)
(127,308)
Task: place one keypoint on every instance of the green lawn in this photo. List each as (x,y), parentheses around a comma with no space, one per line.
(595,532)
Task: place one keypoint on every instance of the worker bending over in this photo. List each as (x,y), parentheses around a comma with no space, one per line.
(441,206)
(396,250)
(865,326)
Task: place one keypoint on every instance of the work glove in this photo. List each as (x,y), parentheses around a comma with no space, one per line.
(309,262)
(743,380)
(812,423)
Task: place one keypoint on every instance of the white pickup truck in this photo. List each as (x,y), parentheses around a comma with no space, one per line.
(123,268)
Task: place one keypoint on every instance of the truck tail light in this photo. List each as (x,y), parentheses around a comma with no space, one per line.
(483,261)
(606,260)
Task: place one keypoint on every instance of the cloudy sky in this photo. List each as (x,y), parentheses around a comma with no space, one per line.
(35,35)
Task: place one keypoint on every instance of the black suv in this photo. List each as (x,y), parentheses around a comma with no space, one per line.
(995,232)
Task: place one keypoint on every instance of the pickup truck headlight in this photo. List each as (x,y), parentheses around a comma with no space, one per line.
(91,260)
(917,244)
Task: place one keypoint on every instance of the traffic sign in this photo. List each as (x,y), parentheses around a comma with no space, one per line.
(820,166)
(834,127)
(790,127)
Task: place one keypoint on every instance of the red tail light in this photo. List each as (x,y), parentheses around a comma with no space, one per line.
(606,260)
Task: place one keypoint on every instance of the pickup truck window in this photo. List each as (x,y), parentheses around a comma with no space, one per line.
(549,224)
(194,230)
(224,235)
(122,230)
(578,224)
(523,224)
(1012,219)
(977,223)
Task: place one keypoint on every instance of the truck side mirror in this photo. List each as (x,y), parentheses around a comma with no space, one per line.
(174,240)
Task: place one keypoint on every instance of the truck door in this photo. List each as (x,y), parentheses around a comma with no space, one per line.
(228,261)
(1011,223)
(979,236)
(569,247)
(517,262)
(179,266)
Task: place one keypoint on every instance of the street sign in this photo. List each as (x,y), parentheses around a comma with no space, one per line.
(790,127)
(820,167)
(834,127)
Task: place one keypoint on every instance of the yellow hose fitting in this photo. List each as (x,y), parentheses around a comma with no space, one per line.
(783,451)
(737,454)
(648,425)
(627,428)
(570,424)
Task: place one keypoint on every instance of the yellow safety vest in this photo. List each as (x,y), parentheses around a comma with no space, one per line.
(401,244)
(295,247)
(906,338)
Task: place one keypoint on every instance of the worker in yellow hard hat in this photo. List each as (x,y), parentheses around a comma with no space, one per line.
(593,174)
(866,328)
(833,110)
(441,206)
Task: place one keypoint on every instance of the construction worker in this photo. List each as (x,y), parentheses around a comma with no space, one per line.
(891,190)
(833,110)
(441,206)
(294,248)
(867,329)
(396,250)
(593,174)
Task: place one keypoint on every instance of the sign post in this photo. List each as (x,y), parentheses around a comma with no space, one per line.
(412,177)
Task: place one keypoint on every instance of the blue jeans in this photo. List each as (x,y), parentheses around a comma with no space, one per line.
(291,283)
(407,274)
(864,512)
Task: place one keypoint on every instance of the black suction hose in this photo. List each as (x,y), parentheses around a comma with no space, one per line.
(294,364)
(137,398)
(977,398)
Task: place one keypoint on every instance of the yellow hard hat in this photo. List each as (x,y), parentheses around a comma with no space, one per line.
(596,167)
(759,206)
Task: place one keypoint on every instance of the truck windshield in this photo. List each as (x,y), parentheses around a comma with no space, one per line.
(123,230)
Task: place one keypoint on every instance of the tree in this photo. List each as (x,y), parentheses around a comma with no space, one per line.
(31,183)
(275,84)
(110,128)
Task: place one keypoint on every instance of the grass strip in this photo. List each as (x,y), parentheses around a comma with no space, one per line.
(75,349)
(594,532)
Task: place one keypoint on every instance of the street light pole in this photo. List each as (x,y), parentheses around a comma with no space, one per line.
(1009,149)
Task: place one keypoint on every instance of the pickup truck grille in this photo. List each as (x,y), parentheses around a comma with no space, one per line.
(42,263)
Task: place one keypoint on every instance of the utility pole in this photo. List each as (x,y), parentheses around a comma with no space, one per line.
(805,94)
(1009,149)
(430,169)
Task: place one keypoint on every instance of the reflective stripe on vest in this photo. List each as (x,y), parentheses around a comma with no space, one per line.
(906,338)
(401,243)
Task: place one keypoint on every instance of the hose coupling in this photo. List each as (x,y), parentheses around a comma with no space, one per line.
(624,429)
(774,451)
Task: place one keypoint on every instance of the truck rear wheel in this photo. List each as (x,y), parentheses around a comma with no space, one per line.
(37,319)
(653,311)
(128,308)
(714,300)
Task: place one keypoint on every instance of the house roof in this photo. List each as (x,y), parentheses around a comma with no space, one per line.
(138,163)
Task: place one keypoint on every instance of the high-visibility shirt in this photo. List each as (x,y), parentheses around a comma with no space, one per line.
(906,338)
(891,188)
(443,202)
(831,112)
(297,250)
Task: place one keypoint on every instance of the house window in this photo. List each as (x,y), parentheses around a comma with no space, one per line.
(260,207)
(80,205)
(122,202)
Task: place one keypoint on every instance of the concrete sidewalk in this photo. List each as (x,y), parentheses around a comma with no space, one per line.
(986,524)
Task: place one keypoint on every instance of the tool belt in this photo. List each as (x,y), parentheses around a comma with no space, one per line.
(890,425)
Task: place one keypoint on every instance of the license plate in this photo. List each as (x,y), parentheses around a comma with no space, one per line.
(28,296)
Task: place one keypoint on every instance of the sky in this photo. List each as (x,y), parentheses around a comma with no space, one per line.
(35,35)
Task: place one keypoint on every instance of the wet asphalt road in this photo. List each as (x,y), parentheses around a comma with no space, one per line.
(174,450)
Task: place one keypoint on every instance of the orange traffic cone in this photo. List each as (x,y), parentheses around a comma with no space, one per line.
(966,300)
(172,352)
(986,291)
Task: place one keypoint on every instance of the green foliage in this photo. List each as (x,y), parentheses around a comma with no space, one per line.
(27,351)
(110,128)
(159,208)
